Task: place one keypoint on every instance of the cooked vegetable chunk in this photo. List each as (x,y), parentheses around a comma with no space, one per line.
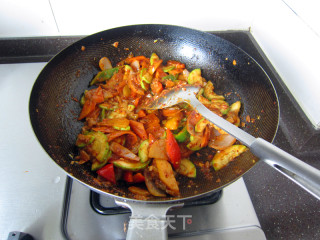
(130,165)
(187,168)
(222,158)
(148,150)
(166,176)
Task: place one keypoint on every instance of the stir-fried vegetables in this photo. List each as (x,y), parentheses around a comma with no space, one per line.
(121,141)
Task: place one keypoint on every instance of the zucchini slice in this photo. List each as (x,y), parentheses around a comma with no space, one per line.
(99,146)
(195,143)
(201,125)
(84,140)
(96,165)
(209,92)
(130,165)
(195,77)
(183,135)
(222,158)
(222,105)
(168,68)
(154,57)
(187,168)
(143,151)
(145,75)
(104,75)
(235,107)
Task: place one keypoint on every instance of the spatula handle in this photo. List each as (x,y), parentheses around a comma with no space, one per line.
(301,173)
(233,130)
(298,171)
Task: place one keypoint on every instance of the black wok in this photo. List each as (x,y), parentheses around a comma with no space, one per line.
(54,111)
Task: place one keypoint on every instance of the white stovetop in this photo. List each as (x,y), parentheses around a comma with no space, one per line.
(32,185)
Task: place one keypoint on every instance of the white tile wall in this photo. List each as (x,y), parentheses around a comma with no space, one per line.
(86,17)
(294,49)
(26,18)
(308,11)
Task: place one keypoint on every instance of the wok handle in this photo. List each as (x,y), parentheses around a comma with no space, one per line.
(148,220)
(301,173)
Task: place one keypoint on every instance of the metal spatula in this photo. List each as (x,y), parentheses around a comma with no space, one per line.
(301,173)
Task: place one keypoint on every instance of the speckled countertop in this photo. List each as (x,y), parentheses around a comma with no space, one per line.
(285,211)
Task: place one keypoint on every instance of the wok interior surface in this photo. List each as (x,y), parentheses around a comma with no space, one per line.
(54,108)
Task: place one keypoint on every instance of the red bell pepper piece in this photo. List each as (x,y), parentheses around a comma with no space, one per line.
(107,172)
(173,150)
(138,178)
(128,176)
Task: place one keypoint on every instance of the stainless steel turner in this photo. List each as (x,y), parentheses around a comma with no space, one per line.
(301,173)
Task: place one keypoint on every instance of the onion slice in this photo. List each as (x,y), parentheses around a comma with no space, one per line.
(105,63)
(123,152)
(135,65)
(222,141)
(116,134)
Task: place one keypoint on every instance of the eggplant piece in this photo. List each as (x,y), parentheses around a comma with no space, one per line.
(166,176)
(151,186)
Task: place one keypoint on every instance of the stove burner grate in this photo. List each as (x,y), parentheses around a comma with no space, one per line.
(97,206)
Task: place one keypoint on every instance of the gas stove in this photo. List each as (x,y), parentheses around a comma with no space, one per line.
(41,200)
(228,214)
(66,209)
